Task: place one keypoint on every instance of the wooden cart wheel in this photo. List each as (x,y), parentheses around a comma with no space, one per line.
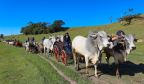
(56,52)
(64,57)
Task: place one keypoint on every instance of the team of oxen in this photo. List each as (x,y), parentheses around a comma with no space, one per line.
(15,42)
(91,48)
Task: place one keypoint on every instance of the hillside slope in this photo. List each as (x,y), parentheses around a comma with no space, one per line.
(136,27)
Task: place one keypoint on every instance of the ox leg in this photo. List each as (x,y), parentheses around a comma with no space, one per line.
(107,59)
(44,51)
(86,61)
(100,58)
(75,59)
(117,71)
(48,52)
(125,58)
(95,66)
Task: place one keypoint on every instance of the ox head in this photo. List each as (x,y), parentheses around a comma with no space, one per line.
(52,38)
(99,39)
(130,43)
(59,38)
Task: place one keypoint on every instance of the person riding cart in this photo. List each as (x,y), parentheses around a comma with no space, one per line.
(62,49)
(67,44)
(59,44)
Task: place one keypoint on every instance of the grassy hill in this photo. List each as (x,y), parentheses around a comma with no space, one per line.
(31,69)
(136,27)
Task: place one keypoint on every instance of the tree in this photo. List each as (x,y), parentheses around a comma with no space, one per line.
(128,16)
(1,36)
(57,25)
(35,28)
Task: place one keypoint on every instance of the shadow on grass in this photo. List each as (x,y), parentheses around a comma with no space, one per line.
(127,68)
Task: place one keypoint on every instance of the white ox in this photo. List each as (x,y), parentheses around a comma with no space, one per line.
(90,48)
(26,46)
(11,42)
(61,37)
(48,44)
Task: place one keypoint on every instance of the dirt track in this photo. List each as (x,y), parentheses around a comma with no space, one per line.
(106,75)
(59,72)
(130,73)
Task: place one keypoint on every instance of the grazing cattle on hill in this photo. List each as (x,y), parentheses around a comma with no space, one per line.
(120,51)
(90,48)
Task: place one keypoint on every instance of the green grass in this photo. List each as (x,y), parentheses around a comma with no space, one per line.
(18,68)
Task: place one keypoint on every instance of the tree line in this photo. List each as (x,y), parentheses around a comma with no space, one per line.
(56,26)
(43,27)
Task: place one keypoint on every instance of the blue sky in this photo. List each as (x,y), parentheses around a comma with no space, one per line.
(17,13)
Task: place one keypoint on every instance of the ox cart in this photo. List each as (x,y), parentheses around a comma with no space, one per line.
(62,52)
(18,44)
